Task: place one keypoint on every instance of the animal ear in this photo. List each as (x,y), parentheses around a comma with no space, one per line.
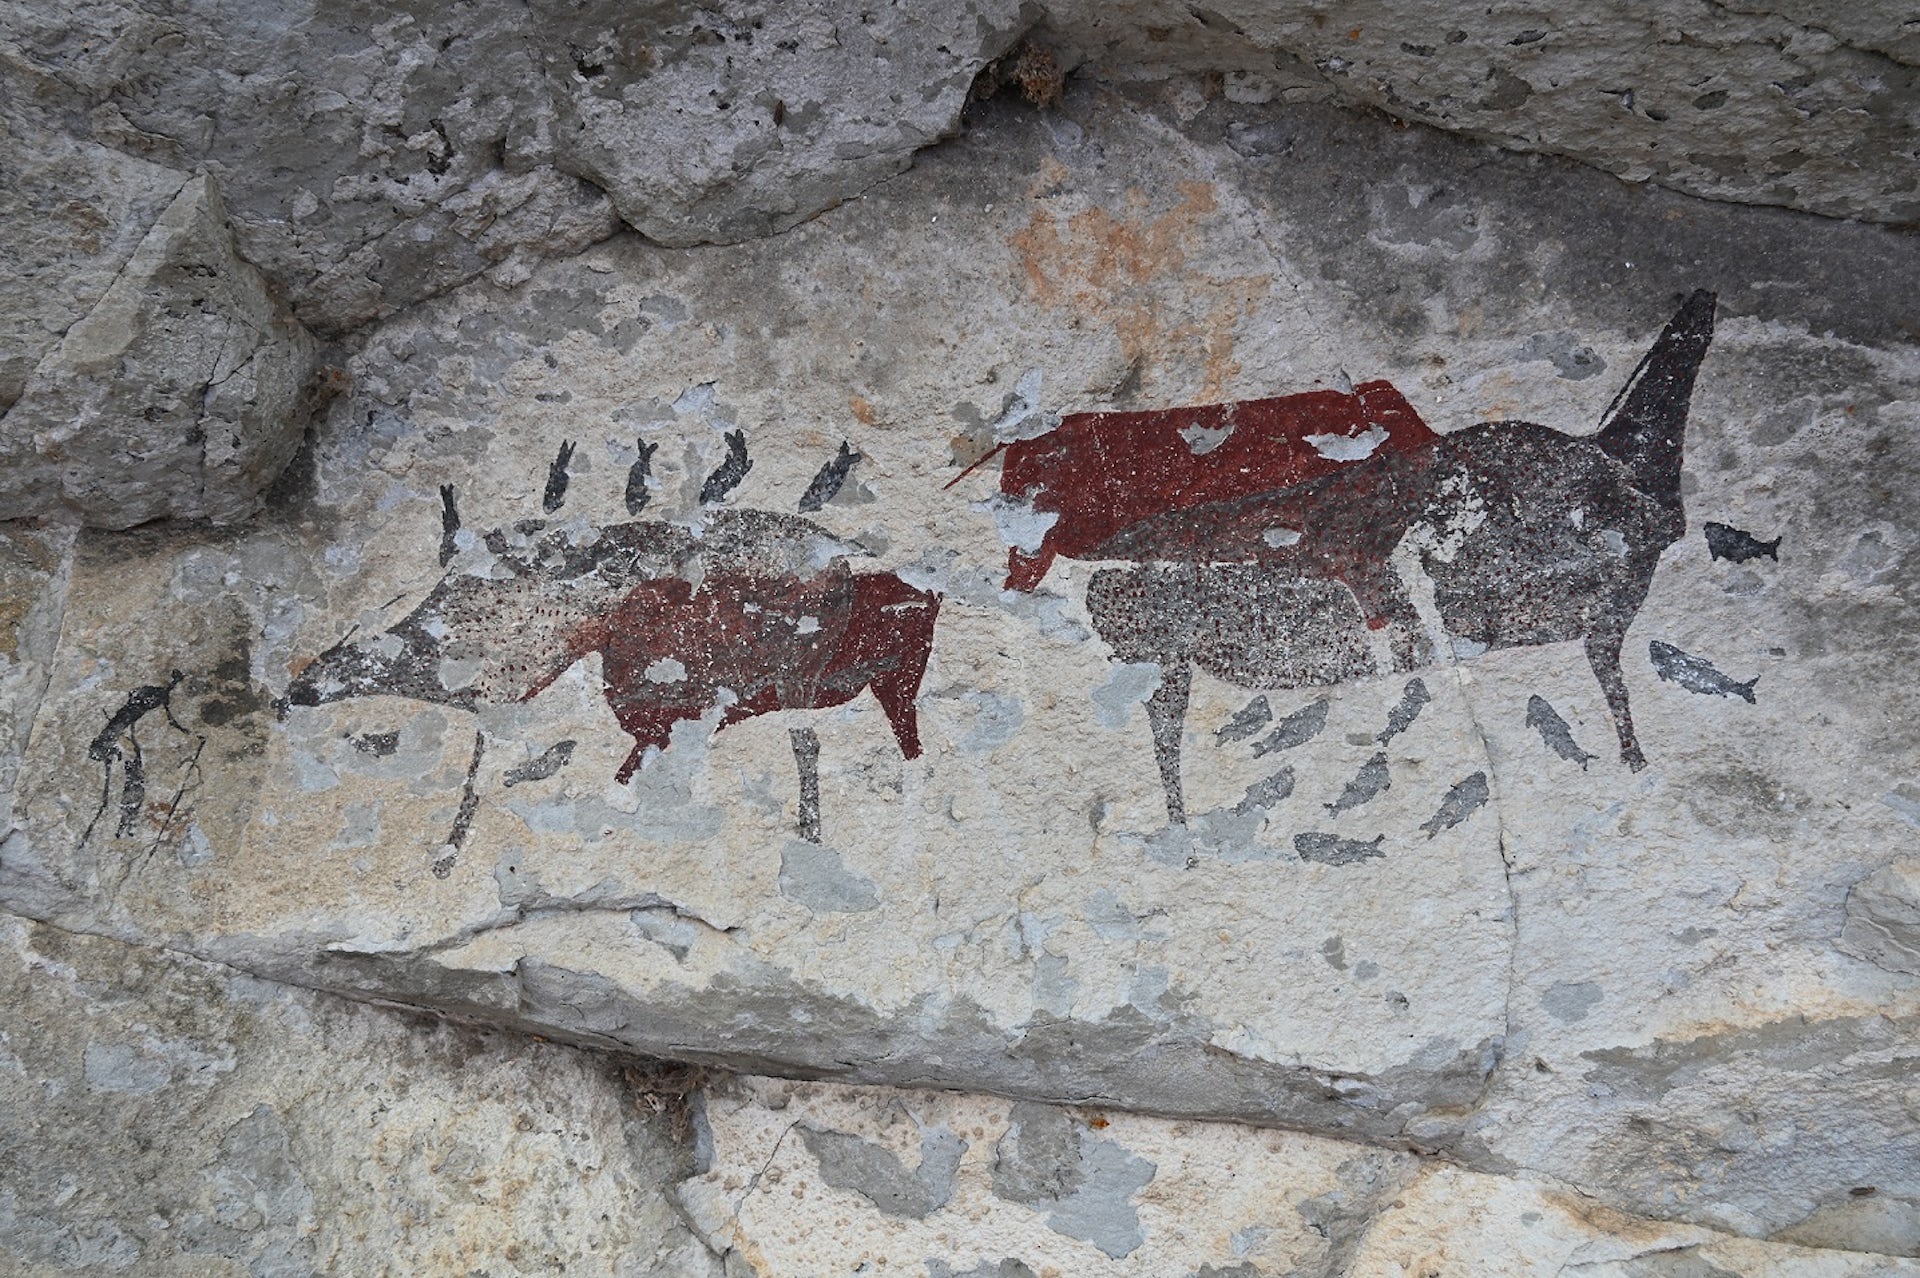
(727,475)
(556,493)
(449,525)
(1645,427)
(831,477)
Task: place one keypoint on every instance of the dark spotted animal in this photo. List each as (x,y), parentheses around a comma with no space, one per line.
(1269,559)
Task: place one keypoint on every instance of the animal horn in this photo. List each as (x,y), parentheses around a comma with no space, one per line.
(1645,428)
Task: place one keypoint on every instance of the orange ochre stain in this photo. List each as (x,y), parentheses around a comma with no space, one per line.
(1129,271)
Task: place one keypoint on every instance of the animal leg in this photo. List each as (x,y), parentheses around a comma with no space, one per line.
(898,690)
(469,808)
(806,753)
(645,732)
(1167,717)
(1603,654)
(1385,604)
(891,632)
(897,698)
(630,764)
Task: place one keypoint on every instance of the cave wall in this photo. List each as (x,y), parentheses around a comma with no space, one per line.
(1082,639)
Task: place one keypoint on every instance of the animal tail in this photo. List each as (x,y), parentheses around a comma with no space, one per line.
(1745,690)
(1645,428)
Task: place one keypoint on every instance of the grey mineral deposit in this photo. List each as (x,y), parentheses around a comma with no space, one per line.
(981,640)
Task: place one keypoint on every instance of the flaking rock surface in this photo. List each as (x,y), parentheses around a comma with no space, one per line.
(178,393)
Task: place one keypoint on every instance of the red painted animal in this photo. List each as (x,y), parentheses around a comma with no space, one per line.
(1264,557)
(745,612)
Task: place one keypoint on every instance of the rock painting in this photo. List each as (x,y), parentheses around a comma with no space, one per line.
(1269,541)
(1736,545)
(740,611)
(1697,674)
(118,744)
(1274,543)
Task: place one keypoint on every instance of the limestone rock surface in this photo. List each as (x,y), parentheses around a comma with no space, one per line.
(720,123)
(576,683)
(1792,103)
(177,394)
(1883,917)
(161,1116)
(33,575)
(71,213)
(372,158)
(810,1178)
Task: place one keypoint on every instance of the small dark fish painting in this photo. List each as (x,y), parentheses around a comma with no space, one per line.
(826,484)
(1466,798)
(637,495)
(1553,730)
(1369,784)
(556,757)
(1697,674)
(727,475)
(1331,849)
(1252,717)
(449,525)
(1401,717)
(1737,545)
(1297,728)
(555,495)
(1266,794)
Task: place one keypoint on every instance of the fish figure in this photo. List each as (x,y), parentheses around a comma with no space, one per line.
(826,484)
(1252,717)
(1331,849)
(1372,781)
(556,757)
(637,494)
(1267,793)
(1697,674)
(1466,797)
(1735,545)
(1401,717)
(1298,728)
(1554,731)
